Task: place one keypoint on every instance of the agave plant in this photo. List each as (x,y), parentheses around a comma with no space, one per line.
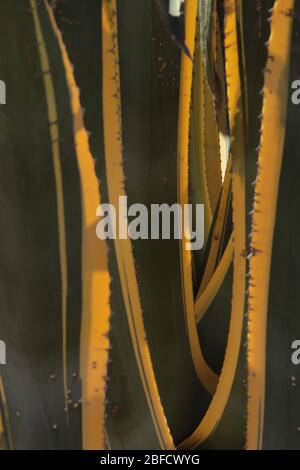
(144,344)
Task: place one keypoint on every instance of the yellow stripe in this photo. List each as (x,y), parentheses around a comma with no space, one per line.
(205,374)
(54,133)
(95,275)
(6,415)
(276,92)
(220,398)
(115,181)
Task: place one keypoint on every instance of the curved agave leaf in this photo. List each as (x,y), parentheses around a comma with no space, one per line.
(150,90)
(217,230)
(204,300)
(206,375)
(213,300)
(208,431)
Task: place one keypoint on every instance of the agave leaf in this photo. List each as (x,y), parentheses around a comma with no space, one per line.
(204,299)
(207,10)
(123,247)
(213,298)
(149,89)
(230,432)
(222,114)
(229,391)
(77,19)
(212,150)
(217,232)
(213,328)
(263,221)
(214,325)
(36,198)
(198,184)
(94,328)
(281,412)
(254,28)
(129,423)
(206,376)
(54,135)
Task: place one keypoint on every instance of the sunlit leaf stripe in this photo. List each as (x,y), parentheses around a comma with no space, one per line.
(275,93)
